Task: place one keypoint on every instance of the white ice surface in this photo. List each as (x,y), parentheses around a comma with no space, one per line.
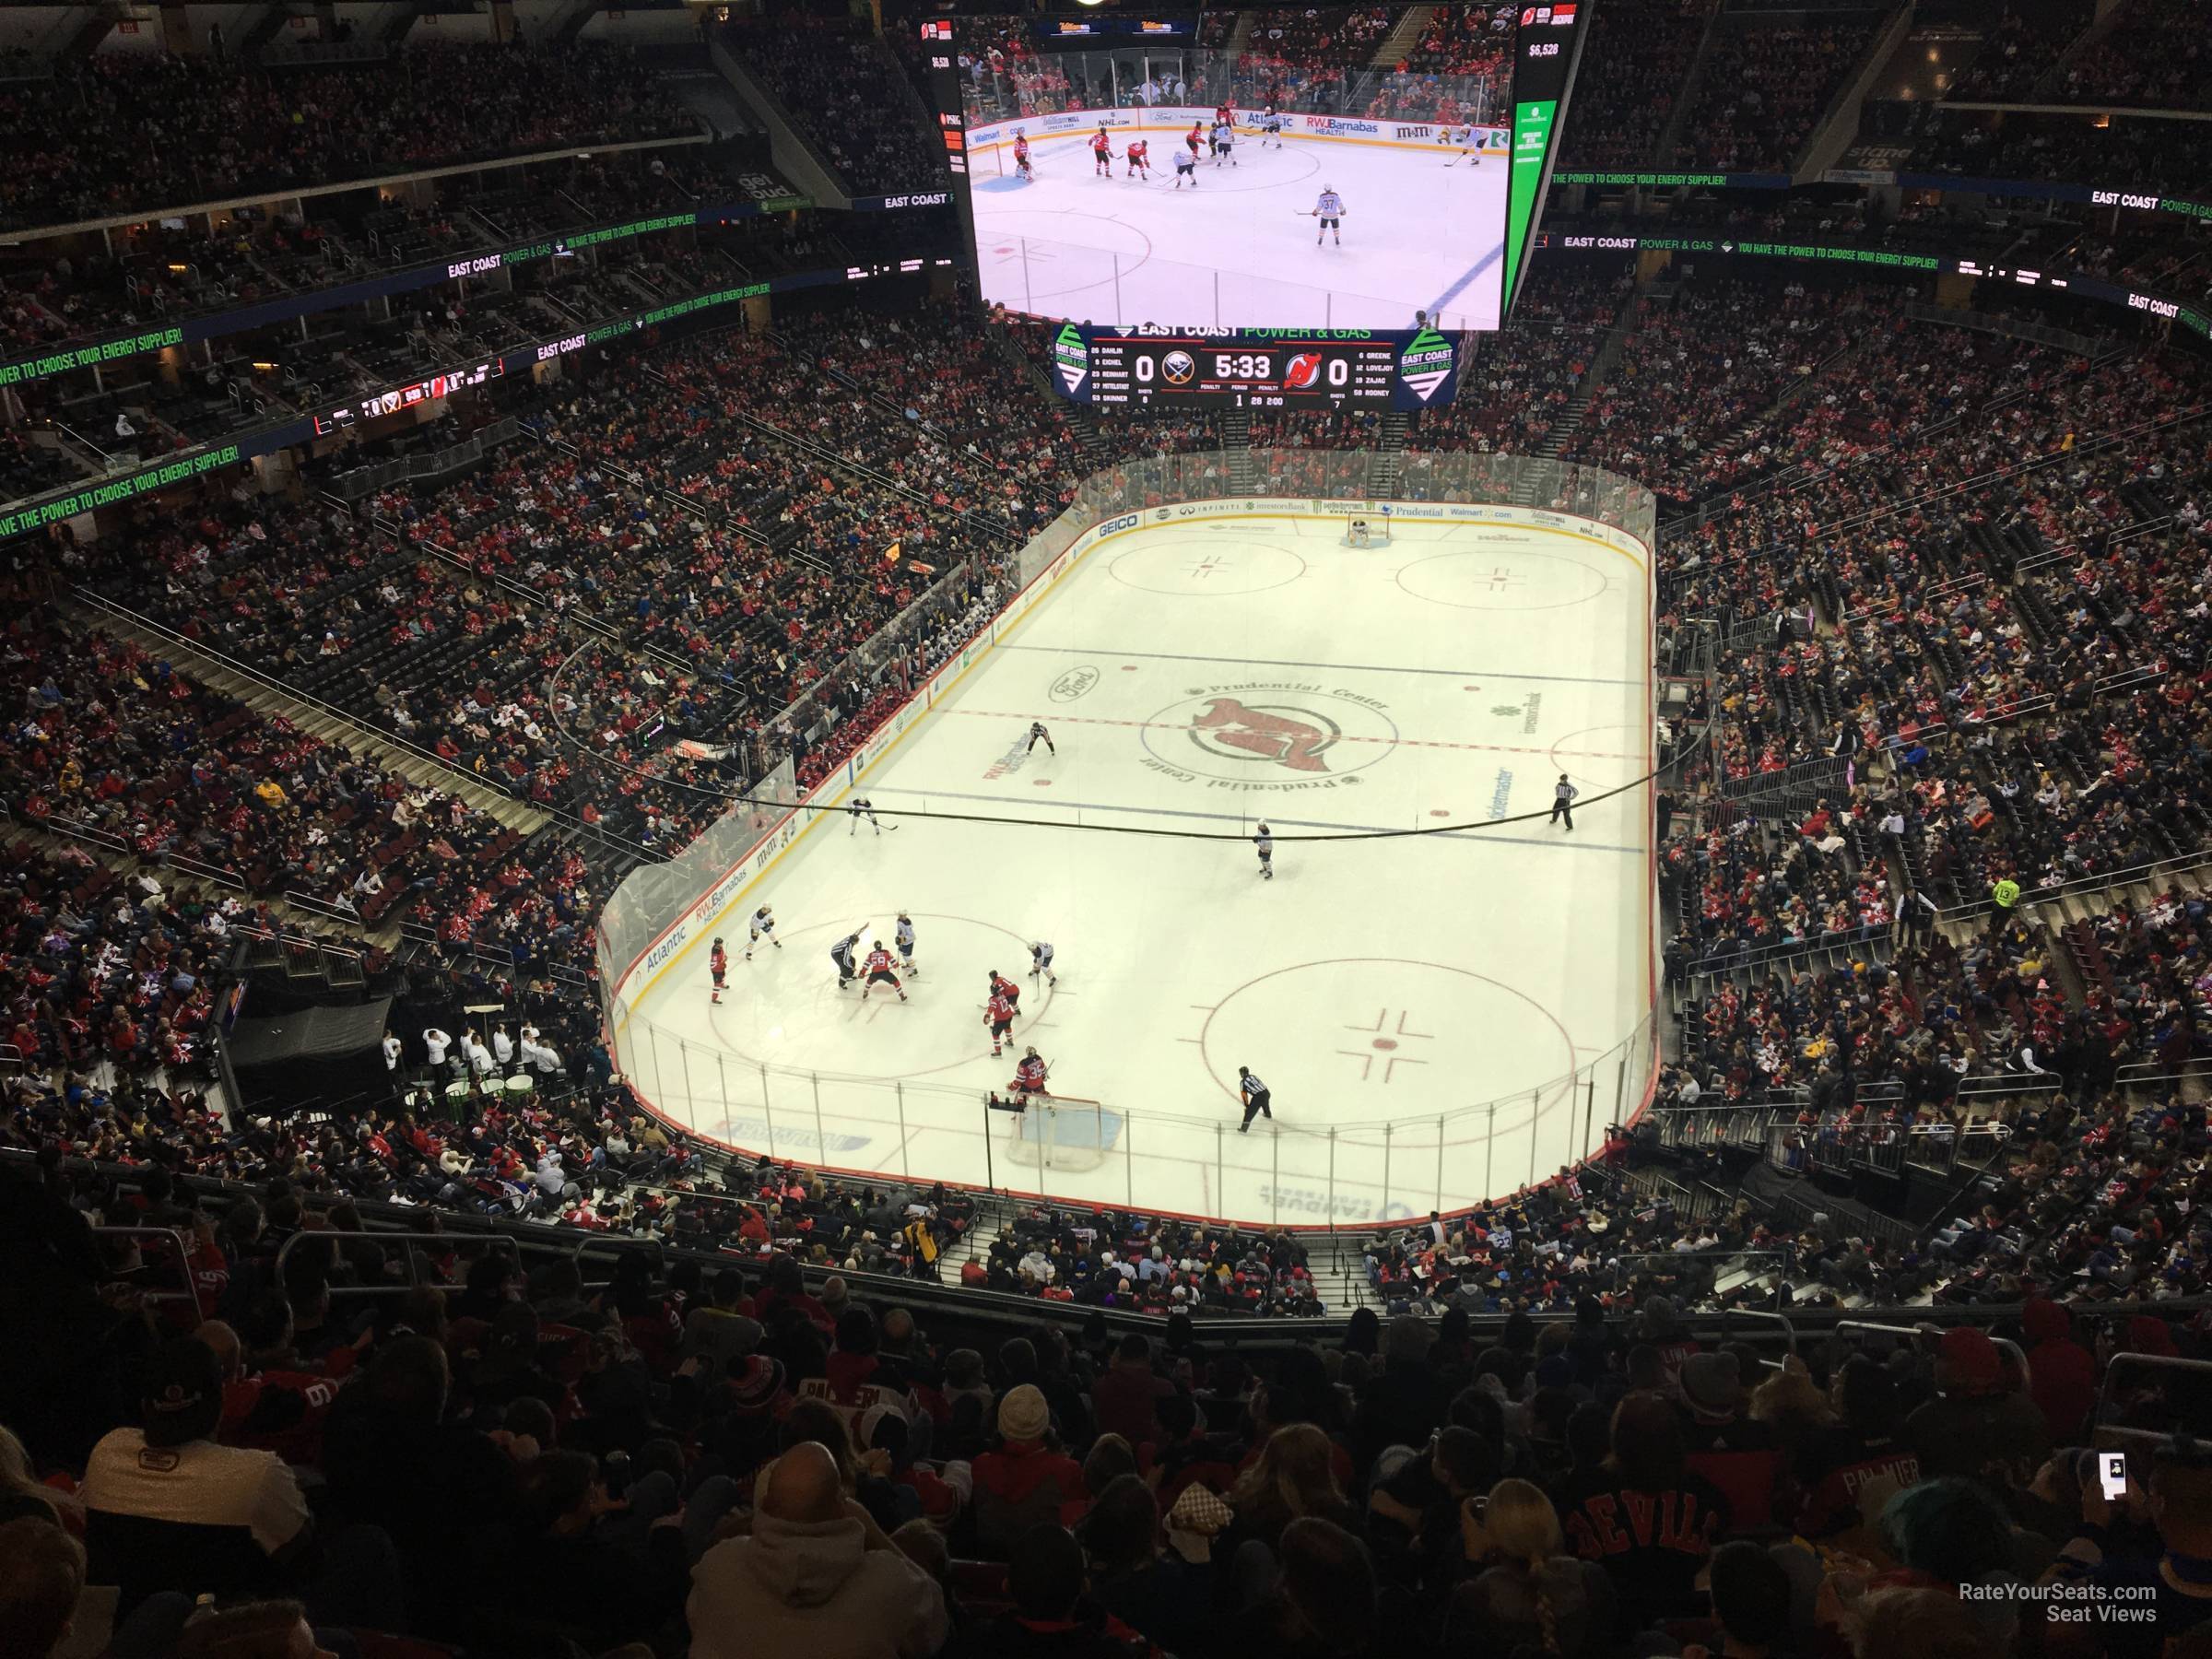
(1239,249)
(1408,1000)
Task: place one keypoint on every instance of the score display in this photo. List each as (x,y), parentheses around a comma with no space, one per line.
(1134,369)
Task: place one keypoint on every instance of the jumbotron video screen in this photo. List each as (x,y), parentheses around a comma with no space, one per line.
(1341,168)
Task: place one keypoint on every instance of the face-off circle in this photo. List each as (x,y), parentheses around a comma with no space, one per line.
(1602,758)
(1384,1039)
(1220,566)
(1498,578)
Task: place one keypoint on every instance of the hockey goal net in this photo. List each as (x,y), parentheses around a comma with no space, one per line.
(1059,1132)
(1365,530)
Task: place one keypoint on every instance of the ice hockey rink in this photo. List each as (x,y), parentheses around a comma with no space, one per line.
(1439,1017)
(1238,250)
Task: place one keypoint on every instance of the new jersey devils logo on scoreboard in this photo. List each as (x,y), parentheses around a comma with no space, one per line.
(1303,373)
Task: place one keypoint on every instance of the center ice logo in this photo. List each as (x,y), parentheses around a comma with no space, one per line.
(1289,740)
(1311,738)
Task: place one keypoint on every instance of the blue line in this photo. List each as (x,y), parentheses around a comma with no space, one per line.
(1473,271)
(1176,656)
(1241,818)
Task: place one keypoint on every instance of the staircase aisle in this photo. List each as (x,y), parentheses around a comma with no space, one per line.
(319,721)
(1236,442)
(1397,46)
(1384,462)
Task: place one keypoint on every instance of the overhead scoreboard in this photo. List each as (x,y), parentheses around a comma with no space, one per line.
(1255,369)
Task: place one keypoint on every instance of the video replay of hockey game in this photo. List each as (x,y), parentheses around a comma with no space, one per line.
(1330,168)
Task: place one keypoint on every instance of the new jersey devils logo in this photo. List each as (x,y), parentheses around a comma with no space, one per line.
(1258,736)
(1287,740)
(1303,373)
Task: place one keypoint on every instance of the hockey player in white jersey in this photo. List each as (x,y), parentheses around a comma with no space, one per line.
(860,806)
(1329,210)
(1462,139)
(905,936)
(763,927)
(1040,961)
(1271,128)
(1225,144)
(1263,844)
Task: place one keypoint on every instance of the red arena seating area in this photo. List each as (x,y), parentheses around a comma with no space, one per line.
(476,1357)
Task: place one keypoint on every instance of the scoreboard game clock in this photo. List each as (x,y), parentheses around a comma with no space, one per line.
(1283,369)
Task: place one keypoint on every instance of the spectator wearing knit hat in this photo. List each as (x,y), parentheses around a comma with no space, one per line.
(1023,1483)
(1978,1425)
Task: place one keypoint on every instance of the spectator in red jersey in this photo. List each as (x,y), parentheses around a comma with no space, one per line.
(1024,1483)
(1738,1455)
(1653,1524)
(2062,1374)
(1126,1399)
(1849,1474)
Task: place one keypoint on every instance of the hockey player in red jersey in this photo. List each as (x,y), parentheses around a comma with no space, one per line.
(1137,161)
(1003,986)
(999,1017)
(1028,1074)
(1225,116)
(878,973)
(1191,138)
(719,966)
(1101,154)
(1021,156)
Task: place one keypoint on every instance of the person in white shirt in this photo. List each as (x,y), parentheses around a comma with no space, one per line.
(437,1042)
(479,1057)
(390,1053)
(502,1046)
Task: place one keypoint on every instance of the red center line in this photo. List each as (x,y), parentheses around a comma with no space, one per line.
(1163,725)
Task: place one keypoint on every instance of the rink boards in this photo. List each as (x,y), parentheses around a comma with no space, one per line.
(910,1107)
